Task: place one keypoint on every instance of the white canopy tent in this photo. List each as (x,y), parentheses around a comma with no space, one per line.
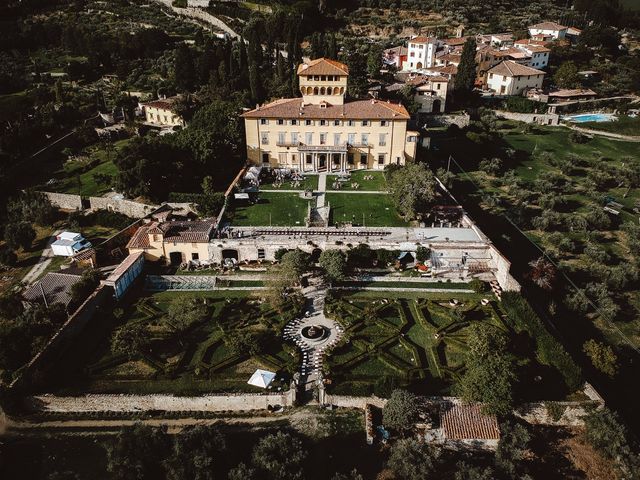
(261,378)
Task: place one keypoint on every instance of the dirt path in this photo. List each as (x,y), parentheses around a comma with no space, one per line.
(43,262)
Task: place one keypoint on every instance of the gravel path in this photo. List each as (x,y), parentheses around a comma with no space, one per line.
(43,261)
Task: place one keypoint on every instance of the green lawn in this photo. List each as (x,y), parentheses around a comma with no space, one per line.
(198,359)
(400,284)
(88,186)
(624,126)
(378,183)
(310,182)
(276,209)
(378,210)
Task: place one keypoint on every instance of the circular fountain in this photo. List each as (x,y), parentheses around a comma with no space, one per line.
(314,333)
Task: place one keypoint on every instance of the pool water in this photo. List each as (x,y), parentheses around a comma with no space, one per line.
(591,117)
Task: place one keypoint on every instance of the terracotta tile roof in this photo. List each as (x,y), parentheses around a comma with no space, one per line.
(467,422)
(445,70)
(455,41)
(529,41)
(424,79)
(140,239)
(548,26)
(187,232)
(84,254)
(451,57)
(323,66)
(355,110)
(400,51)
(423,39)
(509,68)
(536,48)
(580,92)
(162,103)
(56,287)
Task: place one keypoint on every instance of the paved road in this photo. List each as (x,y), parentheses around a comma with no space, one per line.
(43,261)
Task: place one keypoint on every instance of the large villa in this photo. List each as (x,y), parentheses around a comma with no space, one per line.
(323,132)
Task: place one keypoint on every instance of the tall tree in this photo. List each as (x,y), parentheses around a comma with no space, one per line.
(466,76)
(280,456)
(413,189)
(413,460)
(401,411)
(195,453)
(136,453)
(184,69)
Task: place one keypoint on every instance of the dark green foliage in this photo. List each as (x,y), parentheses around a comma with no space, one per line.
(19,235)
(465,471)
(401,411)
(85,286)
(412,188)
(136,453)
(512,450)
(466,76)
(334,264)
(606,432)
(549,350)
(131,340)
(413,460)
(280,456)
(31,206)
(8,257)
(489,371)
(478,285)
(194,453)
(385,386)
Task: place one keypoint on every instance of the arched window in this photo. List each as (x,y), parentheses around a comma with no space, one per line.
(322,91)
(341,90)
(329,91)
(303,90)
(309,90)
(315,91)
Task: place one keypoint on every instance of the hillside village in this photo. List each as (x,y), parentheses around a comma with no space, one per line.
(403,237)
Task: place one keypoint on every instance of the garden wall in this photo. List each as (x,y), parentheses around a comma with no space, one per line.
(353,402)
(65,201)
(33,372)
(572,415)
(539,118)
(166,403)
(126,207)
(461,120)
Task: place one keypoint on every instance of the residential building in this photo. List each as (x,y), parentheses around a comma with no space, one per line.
(538,54)
(162,113)
(511,78)
(421,53)
(396,56)
(431,92)
(323,132)
(54,287)
(548,30)
(68,244)
(175,242)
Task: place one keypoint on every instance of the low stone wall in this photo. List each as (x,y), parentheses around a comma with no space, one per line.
(353,402)
(33,373)
(126,207)
(165,403)
(461,120)
(64,200)
(539,118)
(538,414)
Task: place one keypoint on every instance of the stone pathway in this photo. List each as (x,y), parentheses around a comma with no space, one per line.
(322,188)
(313,349)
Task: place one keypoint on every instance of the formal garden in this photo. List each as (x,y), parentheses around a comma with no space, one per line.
(422,341)
(184,342)
(371,210)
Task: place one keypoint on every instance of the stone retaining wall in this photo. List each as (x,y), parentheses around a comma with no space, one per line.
(461,120)
(65,201)
(166,403)
(127,207)
(539,118)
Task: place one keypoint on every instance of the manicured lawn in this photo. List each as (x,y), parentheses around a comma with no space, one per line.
(276,209)
(376,210)
(400,284)
(624,126)
(421,342)
(198,359)
(377,183)
(310,182)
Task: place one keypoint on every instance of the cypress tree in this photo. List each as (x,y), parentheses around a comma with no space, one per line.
(466,76)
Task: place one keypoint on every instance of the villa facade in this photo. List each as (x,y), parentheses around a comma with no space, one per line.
(323,132)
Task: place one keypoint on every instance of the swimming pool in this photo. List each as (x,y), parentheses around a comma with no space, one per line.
(590,117)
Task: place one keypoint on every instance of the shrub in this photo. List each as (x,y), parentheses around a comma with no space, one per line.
(478,285)
(555,410)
